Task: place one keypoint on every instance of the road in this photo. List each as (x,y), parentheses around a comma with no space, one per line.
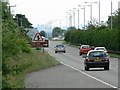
(71,73)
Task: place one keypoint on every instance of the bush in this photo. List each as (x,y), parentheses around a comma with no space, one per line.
(104,37)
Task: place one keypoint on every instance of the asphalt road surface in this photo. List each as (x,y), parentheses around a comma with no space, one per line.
(71,73)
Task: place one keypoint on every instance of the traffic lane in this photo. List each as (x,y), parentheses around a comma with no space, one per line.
(73,59)
(107,76)
(61,76)
(73,53)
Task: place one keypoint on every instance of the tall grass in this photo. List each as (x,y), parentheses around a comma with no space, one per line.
(25,63)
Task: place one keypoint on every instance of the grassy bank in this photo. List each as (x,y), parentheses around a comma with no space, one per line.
(26,63)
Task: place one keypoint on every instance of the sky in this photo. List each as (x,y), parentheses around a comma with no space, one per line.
(41,12)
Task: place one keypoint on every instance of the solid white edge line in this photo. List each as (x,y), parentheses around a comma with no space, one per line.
(110,85)
(89,75)
(50,54)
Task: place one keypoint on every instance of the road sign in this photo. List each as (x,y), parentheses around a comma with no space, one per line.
(37,41)
(38,37)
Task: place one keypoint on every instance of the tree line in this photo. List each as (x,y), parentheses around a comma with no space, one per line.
(97,35)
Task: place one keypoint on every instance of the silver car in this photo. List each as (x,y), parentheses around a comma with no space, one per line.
(60,48)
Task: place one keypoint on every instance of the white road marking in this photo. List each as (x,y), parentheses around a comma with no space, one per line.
(89,75)
(50,54)
(108,84)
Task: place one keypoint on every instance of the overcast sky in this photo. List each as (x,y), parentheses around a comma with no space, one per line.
(44,11)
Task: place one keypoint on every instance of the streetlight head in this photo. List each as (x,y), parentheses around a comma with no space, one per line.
(95,2)
(79,5)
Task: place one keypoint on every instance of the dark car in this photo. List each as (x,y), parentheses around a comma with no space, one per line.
(60,48)
(84,49)
(96,59)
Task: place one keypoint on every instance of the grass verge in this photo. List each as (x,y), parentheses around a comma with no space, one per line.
(24,64)
(114,55)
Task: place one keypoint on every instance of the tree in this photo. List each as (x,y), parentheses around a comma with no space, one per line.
(22,21)
(56,32)
(43,33)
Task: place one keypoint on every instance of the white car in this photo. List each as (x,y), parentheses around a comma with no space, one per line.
(101,48)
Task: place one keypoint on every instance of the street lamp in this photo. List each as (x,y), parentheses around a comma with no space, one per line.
(10,8)
(78,18)
(74,15)
(111,15)
(84,12)
(67,25)
(70,19)
(99,11)
(91,9)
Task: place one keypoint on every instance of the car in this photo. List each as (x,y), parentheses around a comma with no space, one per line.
(96,58)
(84,49)
(101,48)
(60,48)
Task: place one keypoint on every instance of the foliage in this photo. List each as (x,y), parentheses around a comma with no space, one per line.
(22,21)
(104,37)
(25,63)
(43,33)
(57,32)
(14,42)
(98,35)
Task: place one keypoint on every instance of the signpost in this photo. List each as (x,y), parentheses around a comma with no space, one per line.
(38,41)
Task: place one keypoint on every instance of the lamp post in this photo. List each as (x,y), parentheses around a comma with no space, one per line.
(111,15)
(91,9)
(99,11)
(74,15)
(67,20)
(10,8)
(78,18)
(84,12)
(70,19)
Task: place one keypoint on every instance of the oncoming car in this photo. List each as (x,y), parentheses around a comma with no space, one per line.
(60,48)
(84,49)
(96,58)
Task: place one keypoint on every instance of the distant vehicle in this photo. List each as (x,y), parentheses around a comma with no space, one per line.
(84,49)
(101,48)
(96,58)
(46,42)
(55,39)
(60,48)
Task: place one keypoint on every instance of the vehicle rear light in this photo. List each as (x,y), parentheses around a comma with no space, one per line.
(88,59)
(107,59)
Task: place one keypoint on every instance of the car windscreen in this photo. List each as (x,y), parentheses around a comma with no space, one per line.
(97,54)
(101,49)
(85,47)
(60,46)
